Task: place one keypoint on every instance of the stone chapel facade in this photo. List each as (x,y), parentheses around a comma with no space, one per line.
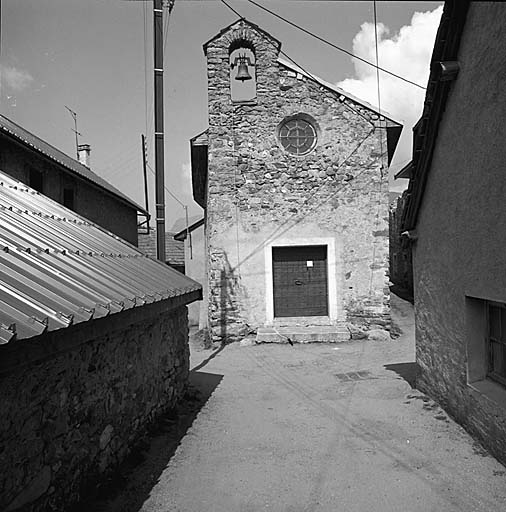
(293,175)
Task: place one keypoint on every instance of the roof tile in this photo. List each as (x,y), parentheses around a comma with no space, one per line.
(174,249)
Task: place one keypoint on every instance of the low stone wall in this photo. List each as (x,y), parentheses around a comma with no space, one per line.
(73,402)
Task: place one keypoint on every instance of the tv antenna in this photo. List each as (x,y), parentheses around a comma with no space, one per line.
(74,117)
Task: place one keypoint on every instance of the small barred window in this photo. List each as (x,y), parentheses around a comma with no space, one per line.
(497,342)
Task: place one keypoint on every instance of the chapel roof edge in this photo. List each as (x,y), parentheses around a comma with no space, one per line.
(254,26)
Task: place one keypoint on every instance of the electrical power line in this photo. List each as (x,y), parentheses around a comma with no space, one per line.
(148,108)
(321,39)
(287,224)
(165,187)
(377,69)
(316,80)
(169,6)
(233,10)
(303,69)
(185,207)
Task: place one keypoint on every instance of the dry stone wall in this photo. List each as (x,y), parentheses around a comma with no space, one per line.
(69,419)
(257,191)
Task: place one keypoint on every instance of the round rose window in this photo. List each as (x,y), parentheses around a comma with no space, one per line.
(297,136)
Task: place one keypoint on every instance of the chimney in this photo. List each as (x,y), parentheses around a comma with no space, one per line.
(83,150)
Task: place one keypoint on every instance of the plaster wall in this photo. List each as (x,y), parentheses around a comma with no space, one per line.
(195,267)
(258,192)
(460,255)
(90,201)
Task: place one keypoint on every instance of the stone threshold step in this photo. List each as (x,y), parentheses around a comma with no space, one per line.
(303,334)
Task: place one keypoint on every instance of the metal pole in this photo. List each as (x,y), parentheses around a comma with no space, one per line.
(74,116)
(144,168)
(159,156)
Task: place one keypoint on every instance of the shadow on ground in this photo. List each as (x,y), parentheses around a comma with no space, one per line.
(407,371)
(403,293)
(130,486)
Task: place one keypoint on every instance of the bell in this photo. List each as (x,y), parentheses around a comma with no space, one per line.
(242,72)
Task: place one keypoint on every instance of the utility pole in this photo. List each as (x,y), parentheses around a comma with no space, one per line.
(159,142)
(144,168)
(74,116)
(159,130)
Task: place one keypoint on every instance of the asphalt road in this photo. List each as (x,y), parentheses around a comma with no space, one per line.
(311,428)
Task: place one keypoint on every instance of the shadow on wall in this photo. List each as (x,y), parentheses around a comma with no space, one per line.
(131,485)
(226,323)
(223,305)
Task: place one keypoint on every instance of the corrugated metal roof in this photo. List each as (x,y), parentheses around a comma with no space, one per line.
(29,139)
(58,269)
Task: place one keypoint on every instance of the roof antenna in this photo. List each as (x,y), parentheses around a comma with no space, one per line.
(74,116)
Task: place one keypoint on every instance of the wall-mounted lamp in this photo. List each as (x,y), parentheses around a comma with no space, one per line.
(448,70)
(410,235)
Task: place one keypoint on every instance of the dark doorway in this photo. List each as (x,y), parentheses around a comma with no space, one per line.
(300,281)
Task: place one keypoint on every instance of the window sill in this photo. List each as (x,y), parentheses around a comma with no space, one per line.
(490,390)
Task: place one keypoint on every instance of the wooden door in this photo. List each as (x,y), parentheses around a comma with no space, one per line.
(300,281)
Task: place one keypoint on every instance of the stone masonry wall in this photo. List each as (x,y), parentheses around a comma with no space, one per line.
(258,192)
(70,418)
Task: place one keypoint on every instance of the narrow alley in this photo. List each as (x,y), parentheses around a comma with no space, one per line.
(211,307)
(334,427)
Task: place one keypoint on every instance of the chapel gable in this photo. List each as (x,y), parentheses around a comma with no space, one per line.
(242,63)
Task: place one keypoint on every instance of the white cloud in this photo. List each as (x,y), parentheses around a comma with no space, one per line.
(14,79)
(407,54)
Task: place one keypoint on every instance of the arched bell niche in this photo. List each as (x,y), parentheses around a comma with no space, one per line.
(243,83)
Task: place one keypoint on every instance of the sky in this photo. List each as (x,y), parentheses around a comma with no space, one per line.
(95,56)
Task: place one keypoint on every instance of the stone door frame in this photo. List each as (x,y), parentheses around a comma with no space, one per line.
(331,273)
